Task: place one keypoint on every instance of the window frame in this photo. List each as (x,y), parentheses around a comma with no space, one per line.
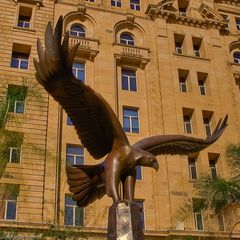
(130,119)
(190,166)
(207,125)
(6,209)
(82,157)
(183,84)
(236,59)
(79,70)
(116,3)
(125,41)
(202,87)
(196,220)
(74,207)
(19,60)
(131,80)
(135,6)
(10,154)
(189,123)
(81,34)
(213,168)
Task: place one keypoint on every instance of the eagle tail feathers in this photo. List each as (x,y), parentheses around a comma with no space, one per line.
(85,182)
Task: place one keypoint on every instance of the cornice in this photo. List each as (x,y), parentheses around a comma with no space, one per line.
(214,20)
(232,2)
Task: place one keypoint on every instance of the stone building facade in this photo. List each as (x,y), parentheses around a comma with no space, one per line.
(165,67)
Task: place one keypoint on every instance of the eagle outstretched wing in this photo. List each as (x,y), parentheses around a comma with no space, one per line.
(179,144)
(96,124)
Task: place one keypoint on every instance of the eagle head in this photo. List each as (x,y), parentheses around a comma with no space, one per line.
(139,157)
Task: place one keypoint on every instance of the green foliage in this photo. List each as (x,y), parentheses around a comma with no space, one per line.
(233,159)
(218,192)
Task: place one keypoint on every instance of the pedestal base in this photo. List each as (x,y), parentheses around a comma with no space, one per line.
(124,222)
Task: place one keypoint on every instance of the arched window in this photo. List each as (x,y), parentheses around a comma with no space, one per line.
(236,57)
(77,30)
(126,38)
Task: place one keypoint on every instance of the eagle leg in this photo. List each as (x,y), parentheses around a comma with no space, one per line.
(129,187)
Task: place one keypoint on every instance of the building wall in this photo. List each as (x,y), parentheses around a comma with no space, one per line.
(161,105)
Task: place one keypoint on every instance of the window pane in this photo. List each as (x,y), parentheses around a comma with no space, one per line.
(133,84)
(79,160)
(135,126)
(14,63)
(68,217)
(140,204)
(193,172)
(78,216)
(69,201)
(126,124)
(69,122)
(139,172)
(124,83)
(199,221)
(75,150)
(70,159)
(24,64)
(19,107)
(15,155)
(10,210)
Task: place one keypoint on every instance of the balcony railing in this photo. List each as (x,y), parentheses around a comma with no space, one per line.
(88,47)
(133,55)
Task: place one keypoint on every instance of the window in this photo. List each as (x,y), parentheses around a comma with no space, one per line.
(69,122)
(197,45)
(207,125)
(198,218)
(14,155)
(182,12)
(24,17)
(77,30)
(202,79)
(192,168)
(127,39)
(73,215)
(221,224)
(179,40)
(8,202)
(207,116)
(183,84)
(15,145)
(20,56)
(130,120)
(187,119)
(16,98)
(129,80)
(116,3)
(236,57)
(79,71)
(75,155)
(139,172)
(140,204)
(135,5)
(213,158)
(238,23)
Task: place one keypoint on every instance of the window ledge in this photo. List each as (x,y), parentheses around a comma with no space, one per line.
(133,55)
(31,30)
(190,56)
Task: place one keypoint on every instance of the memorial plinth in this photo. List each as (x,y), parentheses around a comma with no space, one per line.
(124,222)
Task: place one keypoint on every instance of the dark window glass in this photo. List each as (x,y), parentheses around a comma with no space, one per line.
(187,124)
(19,60)
(139,172)
(207,124)
(236,57)
(192,168)
(79,71)
(130,120)
(126,39)
(78,31)
(129,80)
(141,205)
(75,155)
(69,122)
(213,168)
(24,21)
(202,87)
(11,209)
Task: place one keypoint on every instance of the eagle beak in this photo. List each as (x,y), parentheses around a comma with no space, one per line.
(155,165)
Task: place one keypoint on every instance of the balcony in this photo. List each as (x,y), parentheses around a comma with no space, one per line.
(132,55)
(88,47)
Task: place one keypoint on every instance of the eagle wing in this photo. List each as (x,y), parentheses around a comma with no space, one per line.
(179,144)
(95,122)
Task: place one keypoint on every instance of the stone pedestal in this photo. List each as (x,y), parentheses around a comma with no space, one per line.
(124,222)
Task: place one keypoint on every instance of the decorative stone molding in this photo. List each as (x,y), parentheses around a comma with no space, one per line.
(130,17)
(154,11)
(88,48)
(81,8)
(209,13)
(232,2)
(131,55)
(38,3)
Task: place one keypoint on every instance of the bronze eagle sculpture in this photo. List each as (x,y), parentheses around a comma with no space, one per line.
(99,129)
